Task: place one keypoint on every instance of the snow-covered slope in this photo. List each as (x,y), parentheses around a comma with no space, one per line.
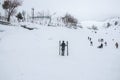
(34,54)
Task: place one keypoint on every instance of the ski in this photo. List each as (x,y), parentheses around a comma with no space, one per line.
(59,47)
(67,48)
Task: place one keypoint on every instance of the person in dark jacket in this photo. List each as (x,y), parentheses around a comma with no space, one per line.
(105,43)
(100,46)
(63,47)
(116,44)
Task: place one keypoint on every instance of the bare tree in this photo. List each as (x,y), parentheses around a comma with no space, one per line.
(19,16)
(69,20)
(10,7)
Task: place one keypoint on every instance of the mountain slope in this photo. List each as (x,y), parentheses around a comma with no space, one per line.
(33,54)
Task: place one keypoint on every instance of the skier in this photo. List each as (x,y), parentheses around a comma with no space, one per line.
(105,43)
(63,47)
(91,43)
(116,44)
(100,46)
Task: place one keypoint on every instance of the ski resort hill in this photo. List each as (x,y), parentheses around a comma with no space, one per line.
(30,51)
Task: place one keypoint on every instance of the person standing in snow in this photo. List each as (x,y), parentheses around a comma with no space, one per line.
(91,43)
(105,43)
(116,44)
(63,47)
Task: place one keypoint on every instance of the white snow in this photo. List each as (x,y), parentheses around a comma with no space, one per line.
(34,54)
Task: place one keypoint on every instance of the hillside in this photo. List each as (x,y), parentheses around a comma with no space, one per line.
(34,54)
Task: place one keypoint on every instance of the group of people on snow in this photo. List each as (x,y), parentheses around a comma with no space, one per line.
(102,42)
